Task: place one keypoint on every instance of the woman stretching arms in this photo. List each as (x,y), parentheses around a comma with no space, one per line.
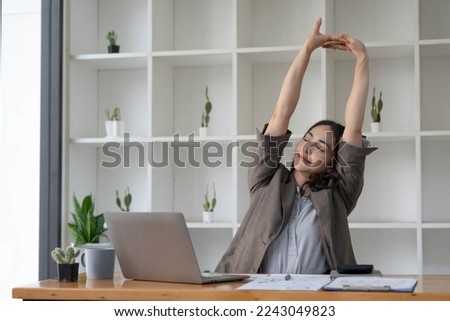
(297,218)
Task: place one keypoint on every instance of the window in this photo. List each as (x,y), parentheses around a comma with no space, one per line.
(19,143)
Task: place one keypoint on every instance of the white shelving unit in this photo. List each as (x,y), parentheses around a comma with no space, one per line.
(241,49)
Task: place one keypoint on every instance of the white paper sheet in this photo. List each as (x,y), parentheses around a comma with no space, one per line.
(299,282)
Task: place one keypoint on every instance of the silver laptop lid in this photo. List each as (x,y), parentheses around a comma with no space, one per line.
(154,246)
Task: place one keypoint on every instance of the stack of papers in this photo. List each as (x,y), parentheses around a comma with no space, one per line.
(299,282)
(315,282)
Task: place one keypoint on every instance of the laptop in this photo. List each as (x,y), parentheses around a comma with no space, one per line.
(156,246)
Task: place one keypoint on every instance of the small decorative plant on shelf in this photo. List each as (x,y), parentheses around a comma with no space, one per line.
(67,267)
(111,36)
(114,115)
(208,206)
(126,200)
(203,130)
(114,125)
(86,227)
(375,112)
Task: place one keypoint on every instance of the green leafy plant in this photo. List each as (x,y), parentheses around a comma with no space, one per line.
(111,36)
(207,111)
(114,115)
(208,206)
(86,227)
(126,200)
(65,256)
(377,106)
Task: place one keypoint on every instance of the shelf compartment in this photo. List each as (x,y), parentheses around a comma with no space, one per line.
(375,21)
(392,251)
(434,22)
(126,89)
(395,77)
(259,85)
(262,23)
(390,185)
(93,92)
(91,20)
(83,101)
(82,174)
(436,261)
(192,24)
(179,97)
(435,77)
(182,175)
(435,179)
(126,169)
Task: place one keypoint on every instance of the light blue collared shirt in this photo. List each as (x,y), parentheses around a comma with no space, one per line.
(298,249)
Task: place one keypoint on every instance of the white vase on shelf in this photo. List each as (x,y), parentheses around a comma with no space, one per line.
(375,127)
(203,131)
(114,128)
(208,216)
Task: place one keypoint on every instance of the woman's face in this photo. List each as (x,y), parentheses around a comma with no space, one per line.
(314,152)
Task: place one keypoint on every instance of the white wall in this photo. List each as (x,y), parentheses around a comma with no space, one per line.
(19,144)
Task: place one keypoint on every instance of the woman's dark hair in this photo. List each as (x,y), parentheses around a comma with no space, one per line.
(330,177)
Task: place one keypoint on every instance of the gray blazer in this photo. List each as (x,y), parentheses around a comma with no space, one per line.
(272,192)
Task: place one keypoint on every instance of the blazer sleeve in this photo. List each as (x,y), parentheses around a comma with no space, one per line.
(269,151)
(350,166)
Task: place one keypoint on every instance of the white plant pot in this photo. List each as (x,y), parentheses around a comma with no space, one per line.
(114,128)
(203,131)
(208,217)
(375,127)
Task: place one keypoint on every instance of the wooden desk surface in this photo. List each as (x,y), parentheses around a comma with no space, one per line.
(433,288)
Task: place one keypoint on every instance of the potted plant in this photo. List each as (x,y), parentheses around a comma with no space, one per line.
(86,228)
(126,200)
(375,112)
(111,36)
(208,206)
(67,267)
(114,125)
(203,130)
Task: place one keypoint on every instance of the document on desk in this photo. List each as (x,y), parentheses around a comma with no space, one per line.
(299,282)
(383,284)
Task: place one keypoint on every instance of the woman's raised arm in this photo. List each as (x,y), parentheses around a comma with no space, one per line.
(291,88)
(356,103)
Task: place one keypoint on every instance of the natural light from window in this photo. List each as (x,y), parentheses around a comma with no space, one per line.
(19,143)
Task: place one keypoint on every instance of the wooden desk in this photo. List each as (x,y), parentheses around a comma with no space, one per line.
(433,288)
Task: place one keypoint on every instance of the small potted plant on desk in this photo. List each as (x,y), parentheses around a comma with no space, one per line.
(203,130)
(375,112)
(208,207)
(86,228)
(67,267)
(111,36)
